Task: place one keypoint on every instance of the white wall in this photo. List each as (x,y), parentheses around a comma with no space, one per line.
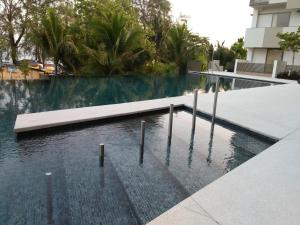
(288,57)
(249,54)
(254,18)
(293,4)
(295,19)
(254,38)
(259,56)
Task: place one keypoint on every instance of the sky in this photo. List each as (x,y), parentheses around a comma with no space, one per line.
(220,20)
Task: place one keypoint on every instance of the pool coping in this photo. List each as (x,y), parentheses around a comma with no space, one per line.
(244,77)
(225,200)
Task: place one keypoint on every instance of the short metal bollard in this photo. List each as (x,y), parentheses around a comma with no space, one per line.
(215,107)
(170,124)
(194,111)
(101,156)
(142,141)
(49,198)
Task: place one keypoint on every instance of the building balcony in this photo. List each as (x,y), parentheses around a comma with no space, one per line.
(290,4)
(293,4)
(265,37)
(258,2)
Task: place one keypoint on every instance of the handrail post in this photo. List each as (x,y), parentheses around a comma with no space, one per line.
(194,111)
(142,141)
(101,155)
(170,124)
(49,198)
(215,107)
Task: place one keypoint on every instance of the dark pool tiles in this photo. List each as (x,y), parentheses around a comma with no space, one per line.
(23,201)
(245,142)
(248,143)
(189,164)
(184,164)
(96,195)
(24,196)
(190,167)
(143,199)
(151,188)
(160,185)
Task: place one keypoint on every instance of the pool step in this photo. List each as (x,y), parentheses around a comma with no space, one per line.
(151,188)
(96,195)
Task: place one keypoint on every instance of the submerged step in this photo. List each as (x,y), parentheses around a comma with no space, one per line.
(123,191)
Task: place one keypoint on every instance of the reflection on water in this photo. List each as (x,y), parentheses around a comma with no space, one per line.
(18,97)
(191,145)
(84,193)
(123,192)
(210,145)
(168,155)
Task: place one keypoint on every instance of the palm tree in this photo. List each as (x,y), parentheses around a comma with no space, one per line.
(53,39)
(177,43)
(239,50)
(117,44)
(184,46)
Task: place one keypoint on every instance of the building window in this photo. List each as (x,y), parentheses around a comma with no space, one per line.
(264,20)
(274,20)
(282,19)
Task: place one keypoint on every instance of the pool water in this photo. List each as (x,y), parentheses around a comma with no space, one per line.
(123,192)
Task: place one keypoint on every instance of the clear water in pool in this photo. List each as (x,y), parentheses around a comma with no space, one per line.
(123,191)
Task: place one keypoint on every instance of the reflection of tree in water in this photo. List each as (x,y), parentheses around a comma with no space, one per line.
(61,93)
(208,83)
(17,97)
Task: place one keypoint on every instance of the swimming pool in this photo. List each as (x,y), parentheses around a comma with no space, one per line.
(123,192)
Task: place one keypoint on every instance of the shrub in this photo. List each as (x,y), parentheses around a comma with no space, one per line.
(24,67)
(159,68)
(293,76)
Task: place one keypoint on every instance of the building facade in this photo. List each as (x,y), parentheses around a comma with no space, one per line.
(269,18)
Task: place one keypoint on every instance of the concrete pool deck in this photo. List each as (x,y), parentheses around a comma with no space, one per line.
(264,190)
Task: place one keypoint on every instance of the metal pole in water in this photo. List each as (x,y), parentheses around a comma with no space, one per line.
(101,157)
(49,198)
(170,124)
(233,84)
(215,107)
(142,141)
(194,111)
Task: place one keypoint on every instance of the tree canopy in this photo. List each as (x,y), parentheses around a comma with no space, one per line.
(290,41)
(104,37)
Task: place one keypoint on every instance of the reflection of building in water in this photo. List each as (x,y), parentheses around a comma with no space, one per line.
(242,84)
(243,147)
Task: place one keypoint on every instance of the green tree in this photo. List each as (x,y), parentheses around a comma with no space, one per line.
(155,17)
(24,68)
(117,44)
(16,17)
(184,46)
(53,39)
(3,47)
(290,41)
(1,71)
(238,49)
(225,55)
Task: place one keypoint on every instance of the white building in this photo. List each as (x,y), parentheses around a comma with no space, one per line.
(269,18)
